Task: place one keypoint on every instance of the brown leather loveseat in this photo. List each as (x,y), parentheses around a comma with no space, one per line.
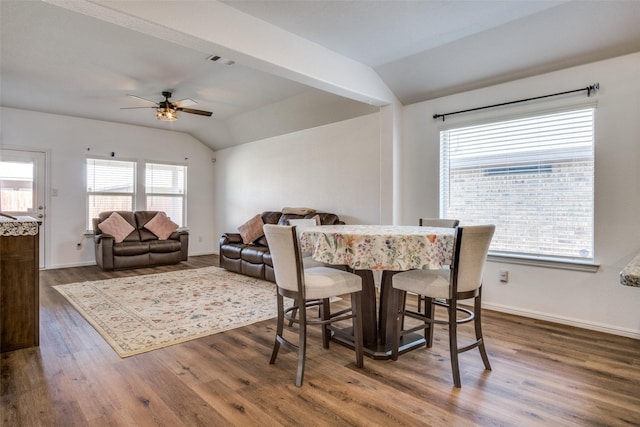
(254,259)
(141,247)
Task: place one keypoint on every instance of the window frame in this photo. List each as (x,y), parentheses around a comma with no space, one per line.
(182,195)
(107,193)
(139,194)
(580,264)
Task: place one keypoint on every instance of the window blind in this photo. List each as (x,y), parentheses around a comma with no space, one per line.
(532,177)
(110,186)
(165,189)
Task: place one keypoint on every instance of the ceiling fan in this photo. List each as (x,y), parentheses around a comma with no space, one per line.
(167,111)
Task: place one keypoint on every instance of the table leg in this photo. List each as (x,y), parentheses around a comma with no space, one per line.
(387,307)
(378,328)
(369,318)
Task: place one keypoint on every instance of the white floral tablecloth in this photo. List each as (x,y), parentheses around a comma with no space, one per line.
(379,247)
(630,275)
(22,226)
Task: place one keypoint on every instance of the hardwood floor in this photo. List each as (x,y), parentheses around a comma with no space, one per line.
(544,374)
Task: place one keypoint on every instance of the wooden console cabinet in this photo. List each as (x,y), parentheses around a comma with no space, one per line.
(19,284)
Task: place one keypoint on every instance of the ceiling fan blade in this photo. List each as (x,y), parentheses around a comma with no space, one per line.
(144,99)
(184,102)
(133,108)
(192,111)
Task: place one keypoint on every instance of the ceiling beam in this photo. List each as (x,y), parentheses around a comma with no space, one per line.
(215,28)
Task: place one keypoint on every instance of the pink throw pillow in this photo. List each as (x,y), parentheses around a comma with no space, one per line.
(116,226)
(252,229)
(161,226)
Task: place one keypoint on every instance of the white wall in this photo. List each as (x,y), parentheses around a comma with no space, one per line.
(68,141)
(333,168)
(593,300)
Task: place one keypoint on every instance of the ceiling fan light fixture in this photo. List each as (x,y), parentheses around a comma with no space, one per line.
(166,114)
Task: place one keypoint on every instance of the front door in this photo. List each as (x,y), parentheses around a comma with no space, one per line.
(22,187)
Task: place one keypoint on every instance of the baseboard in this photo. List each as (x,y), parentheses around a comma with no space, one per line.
(625,332)
(75,264)
(87,263)
(202,253)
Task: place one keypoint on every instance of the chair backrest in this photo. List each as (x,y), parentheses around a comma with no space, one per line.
(286,257)
(439,222)
(470,256)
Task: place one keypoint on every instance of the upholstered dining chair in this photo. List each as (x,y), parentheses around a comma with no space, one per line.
(309,287)
(433,222)
(462,281)
(439,222)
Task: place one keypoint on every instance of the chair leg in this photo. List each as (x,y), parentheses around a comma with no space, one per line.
(399,300)
(325,314)
(429,312)
(294,312)
(453,342)
(477,323)
(356,307)
(279,329)
(302,345)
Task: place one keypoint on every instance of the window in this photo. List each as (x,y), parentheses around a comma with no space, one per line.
(532,177)
(110,186)
(16,186)
(165,190)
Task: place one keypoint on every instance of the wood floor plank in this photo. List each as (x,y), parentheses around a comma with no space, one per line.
(543,374)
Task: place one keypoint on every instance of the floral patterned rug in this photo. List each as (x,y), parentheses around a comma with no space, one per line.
(143,313)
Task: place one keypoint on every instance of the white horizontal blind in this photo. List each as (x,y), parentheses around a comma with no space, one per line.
(165,190)
(532,177)
(110,186)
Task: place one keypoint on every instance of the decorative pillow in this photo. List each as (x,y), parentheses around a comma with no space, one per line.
(298,211)
(252,229)
(161,226)
(116,226)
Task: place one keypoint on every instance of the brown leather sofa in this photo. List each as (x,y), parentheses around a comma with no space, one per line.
(141,248)
(254,259)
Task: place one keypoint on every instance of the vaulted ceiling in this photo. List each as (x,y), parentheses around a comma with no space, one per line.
(297,64)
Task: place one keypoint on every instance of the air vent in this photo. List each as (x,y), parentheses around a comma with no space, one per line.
(221,60)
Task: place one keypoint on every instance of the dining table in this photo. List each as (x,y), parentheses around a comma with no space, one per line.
(364,249)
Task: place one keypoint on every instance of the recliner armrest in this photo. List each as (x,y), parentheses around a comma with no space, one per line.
(98,238)
(227,238)
(104,251)
(177,235)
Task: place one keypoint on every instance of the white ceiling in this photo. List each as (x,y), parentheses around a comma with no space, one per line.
(63,57)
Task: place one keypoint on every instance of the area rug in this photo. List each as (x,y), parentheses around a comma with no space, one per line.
(143,313)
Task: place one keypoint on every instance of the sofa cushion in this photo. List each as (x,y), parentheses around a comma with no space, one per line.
(327,218)
(232,250)
(268,259)
(116,226)
(251,229)
(271,217)
(161,226)
(130,249)
(262,241)
(142,218)
(254,254)
(164,246)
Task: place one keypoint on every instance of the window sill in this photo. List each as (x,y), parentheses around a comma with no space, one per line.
(545,262)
